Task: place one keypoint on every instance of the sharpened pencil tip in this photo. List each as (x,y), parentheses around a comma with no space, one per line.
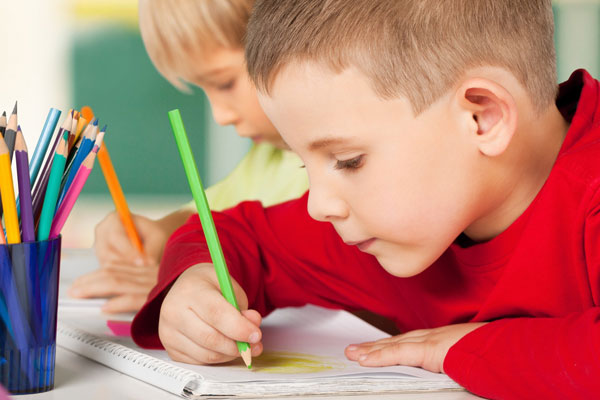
(104,128)
(15,109)
(4,114)
(19,128)
(95,122)
(247,357)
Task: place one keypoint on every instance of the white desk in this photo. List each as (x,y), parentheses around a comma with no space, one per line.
(77,377)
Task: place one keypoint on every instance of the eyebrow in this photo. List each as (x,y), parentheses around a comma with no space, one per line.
(211,74)
(321,143)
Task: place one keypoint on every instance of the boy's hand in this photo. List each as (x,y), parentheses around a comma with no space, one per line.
(125,275)
(425,348)
(198,326)
(113,247)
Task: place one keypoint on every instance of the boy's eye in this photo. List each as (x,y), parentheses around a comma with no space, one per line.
(353,163)
(226,86)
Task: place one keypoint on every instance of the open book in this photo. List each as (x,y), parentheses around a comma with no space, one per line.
(304,355)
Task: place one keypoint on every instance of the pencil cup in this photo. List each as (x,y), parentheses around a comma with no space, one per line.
(28,304)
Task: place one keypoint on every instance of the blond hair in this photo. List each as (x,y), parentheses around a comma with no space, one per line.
(174,31)
(417,49)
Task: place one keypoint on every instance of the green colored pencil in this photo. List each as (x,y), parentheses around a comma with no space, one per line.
(52,191)
(208,225)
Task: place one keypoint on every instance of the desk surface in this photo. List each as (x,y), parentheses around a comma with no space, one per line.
(77,377)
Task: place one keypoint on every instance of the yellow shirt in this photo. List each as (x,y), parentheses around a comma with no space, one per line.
(266,173)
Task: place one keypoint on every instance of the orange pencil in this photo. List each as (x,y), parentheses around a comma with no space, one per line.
(118,197)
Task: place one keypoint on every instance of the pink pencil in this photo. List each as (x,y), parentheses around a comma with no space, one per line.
(71,196)
(73,193)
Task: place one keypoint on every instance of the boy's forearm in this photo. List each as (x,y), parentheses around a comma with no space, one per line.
(530,358)
(171,222)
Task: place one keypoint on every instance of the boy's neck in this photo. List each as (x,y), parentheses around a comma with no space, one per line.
(520,175)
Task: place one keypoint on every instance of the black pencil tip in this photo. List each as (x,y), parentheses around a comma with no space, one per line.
(4,114)
(15,109)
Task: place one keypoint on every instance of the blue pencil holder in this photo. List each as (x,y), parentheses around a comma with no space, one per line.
(28,304)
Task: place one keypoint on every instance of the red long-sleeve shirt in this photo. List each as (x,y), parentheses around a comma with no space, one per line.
(538,282)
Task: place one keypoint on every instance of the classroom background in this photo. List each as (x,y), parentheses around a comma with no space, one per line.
(72,53)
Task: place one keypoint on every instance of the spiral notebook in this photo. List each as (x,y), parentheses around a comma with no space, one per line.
(304,355)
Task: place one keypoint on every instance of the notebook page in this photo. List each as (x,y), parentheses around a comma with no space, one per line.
(300,343)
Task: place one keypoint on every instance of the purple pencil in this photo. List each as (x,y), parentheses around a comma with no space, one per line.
(22,161)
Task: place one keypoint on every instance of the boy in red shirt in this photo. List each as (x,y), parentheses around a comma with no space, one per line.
(453,191)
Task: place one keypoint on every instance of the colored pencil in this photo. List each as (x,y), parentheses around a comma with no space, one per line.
(51,196)
(78,123)
(87,142)
(114,187)
(11,132)
(42,145)
(88,115)
(21,159)
(39,189)
(2,236)
(3,123)
(8,196)
(75,189)
(208,225)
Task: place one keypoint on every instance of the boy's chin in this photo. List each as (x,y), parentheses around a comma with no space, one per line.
(401,268)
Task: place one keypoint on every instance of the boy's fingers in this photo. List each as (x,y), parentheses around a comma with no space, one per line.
(410,354)
(197,335)
(188,351)
(253,316)
(225,318)
(102,283)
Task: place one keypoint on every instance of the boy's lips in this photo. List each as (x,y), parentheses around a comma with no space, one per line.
(362,245)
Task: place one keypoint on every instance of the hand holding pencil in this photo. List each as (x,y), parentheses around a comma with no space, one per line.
(208,226)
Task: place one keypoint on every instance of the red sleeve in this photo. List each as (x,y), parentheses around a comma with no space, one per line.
(538,358)
(279,255)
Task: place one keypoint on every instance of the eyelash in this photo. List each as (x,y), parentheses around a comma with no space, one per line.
(227,86)
(351,164)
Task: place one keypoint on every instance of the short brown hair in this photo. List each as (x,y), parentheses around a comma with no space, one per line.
(412,48)
(174,30)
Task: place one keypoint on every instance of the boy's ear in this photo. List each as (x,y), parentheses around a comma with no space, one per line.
(493,111)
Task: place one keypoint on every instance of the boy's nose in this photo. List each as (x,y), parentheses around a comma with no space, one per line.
(224,115)
(324,205)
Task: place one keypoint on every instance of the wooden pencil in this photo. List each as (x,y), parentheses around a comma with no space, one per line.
(77,121)
(8,196)
(42,145)
(116,192)
(3,123)
(88,115)
(21,159)
(11,132)
(208,225)
(75,189)
(51,196)
(41,182)
(87,142)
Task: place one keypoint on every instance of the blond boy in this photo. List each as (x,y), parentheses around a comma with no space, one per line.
(454,191)
(195,42)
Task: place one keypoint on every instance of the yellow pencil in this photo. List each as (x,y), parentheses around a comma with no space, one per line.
(8,196)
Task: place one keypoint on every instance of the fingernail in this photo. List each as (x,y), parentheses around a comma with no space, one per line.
(362,357)
(352,348)
(253,338)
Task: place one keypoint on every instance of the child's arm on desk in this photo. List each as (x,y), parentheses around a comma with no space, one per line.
(198,326)
(125,275)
